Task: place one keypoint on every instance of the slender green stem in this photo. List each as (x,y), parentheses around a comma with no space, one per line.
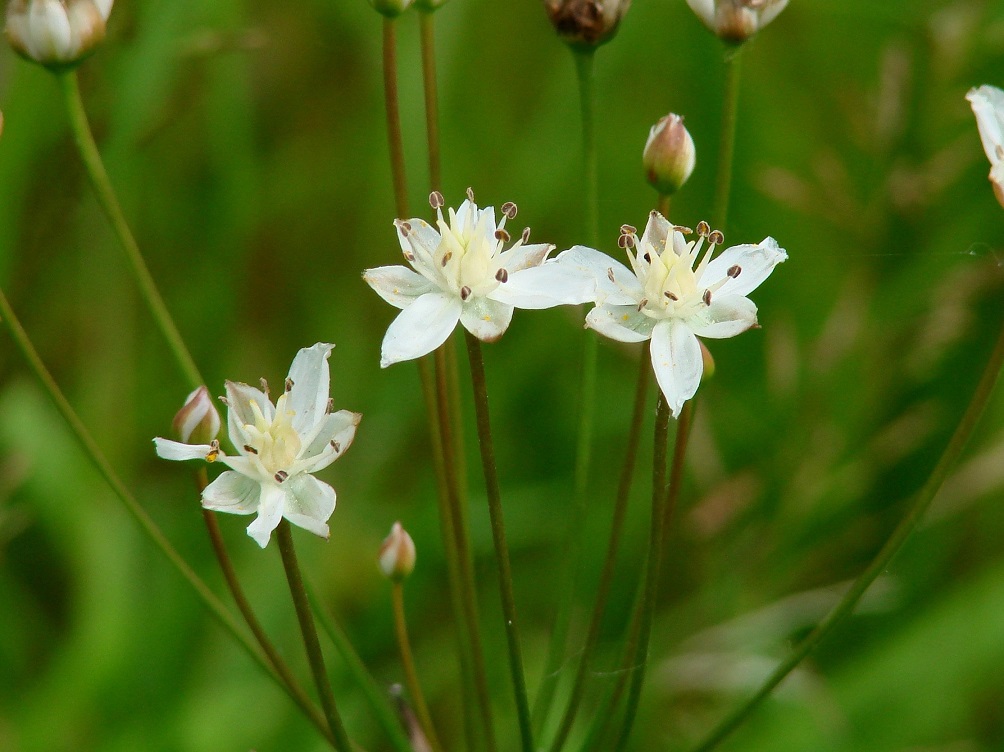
(146,524)
(613,545)
(663,205)
(727,143)
(882,559)
(244,606)
(498,536)
(462,542)
(453,567)
(393,109)
(659,497)
(408,663)
(587,402)
(427,31)
(309,633)
(374,693)
(105,193)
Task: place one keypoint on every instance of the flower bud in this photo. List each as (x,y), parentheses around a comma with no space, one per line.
(397,554)
(56,33)
(585,24)
(429,6)
(391,8)
(197,422)
(669,155)
(735,21)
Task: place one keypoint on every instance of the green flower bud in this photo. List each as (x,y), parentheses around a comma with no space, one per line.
(669,155)
(586,24)
(58,34)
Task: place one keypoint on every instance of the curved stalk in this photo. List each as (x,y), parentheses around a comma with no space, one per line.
(408,663)
(891,547)
(727,143)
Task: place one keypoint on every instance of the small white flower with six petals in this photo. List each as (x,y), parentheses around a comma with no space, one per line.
(278,446)
(665,298)
(988,106)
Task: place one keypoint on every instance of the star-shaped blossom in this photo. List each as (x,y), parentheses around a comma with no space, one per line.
(673,294)
(988,106)
(462,272)
(278,447)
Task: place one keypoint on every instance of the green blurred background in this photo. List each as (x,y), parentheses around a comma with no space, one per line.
(247,144)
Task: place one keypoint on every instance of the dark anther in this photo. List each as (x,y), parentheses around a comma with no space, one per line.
(648,257)
(525,236)
(436,200)
(465,292)
(406,226)
(628,230)
(683,229)
(642,303)
(707,297)
(214,451)
(734,271)
(330,406)
(502,235)
(703,229)
(264,386)
(717,237)
(289,384)
(670,295)
(280,476)
(610,275)
(223,399)
(624,241)
(409,256)
(470,195)
(509,209)
(446,258)
(250,449)
(336,446)
(502,275)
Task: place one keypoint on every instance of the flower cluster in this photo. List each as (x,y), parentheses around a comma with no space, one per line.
(278,447)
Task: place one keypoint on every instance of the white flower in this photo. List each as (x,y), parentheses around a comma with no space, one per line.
(988,106)
(278,446)
(669,300)
(56,32)
(736,20)
(463,274)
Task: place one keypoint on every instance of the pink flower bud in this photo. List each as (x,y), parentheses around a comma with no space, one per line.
(197,422)
(397,554)
(56,33)
(669,155)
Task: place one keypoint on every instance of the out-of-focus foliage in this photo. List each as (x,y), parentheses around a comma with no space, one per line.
(247,143)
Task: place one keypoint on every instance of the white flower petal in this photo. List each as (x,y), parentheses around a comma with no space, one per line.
(769,13)
(727,316)
(677,362)
(273,504)
(104,7)
(175,450)
(545,287)
(588,263)
(239,412)
(420,241)
(524,257)
(398,285)
(486,319)
(420,328)
(232,492)
(705,10)
(334,437)
(308,397)
(309,504)
(50,35)
(657,229)
(755,262)
(622,323)
(988,106)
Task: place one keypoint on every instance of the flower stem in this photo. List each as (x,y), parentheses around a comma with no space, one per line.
(427,31)
(498,535)
(313,646)
(109,203)
(613,545)
(375,694)
(462,543)
(587,400)
(663,205)
(948,458)
(146,524)
(465,652)
(393,109)
(408,662)
(727,144)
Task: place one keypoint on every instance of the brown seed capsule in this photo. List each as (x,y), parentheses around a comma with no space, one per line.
(586,24)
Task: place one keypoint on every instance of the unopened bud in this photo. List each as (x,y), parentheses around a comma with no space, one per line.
(709,362)
(397,554)
(735,21)
(197,422)
(669,155)
(391,8)
(585,24)
(56,33)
